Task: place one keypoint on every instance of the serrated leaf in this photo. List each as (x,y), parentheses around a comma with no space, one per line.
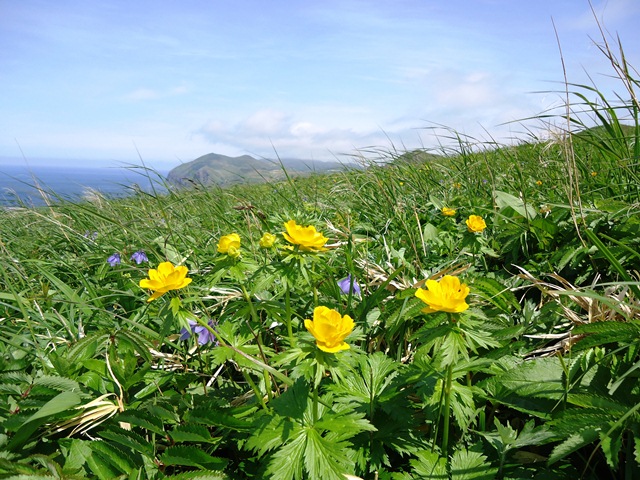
(611,445)
(323,458)
(219,417)
(573,443)
(101,466)
(495,293)
(142,419)
(57,383)
(128,439)
(191,456)
(192,432)
(470,465)
(117,457)
(430,465)
(287,462)
(199,475)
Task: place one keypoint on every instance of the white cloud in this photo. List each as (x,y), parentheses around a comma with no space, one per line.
(143,93)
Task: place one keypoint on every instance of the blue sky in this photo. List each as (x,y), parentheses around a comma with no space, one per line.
(101,82)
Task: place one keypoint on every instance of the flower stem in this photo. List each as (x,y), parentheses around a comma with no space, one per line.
(287,306)
(447,405)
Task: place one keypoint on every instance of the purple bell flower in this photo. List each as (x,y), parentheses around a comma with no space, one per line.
(204,334)
(139,257)
(114,259)
(345,286)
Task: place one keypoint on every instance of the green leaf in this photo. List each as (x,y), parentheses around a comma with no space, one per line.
(199,475)
(192,432)
(191,456)
(430,465)
(573,443)
(60,403)
(217,416)
(57,383)
(324,458)
(128,439)
(118,458)
(142,419)
(611,443)
(495,293)
(601,333)
(504,200)
(470,465)
(287,463)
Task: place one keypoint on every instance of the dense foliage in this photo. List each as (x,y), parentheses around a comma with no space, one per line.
(469,315)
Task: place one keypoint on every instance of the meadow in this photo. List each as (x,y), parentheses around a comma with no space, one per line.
(470,313)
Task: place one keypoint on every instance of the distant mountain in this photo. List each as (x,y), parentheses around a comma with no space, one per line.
(216,169)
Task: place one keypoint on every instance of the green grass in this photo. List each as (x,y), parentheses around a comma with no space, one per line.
(538,378)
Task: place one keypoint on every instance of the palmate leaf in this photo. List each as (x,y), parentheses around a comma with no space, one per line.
(309,452)
(287,463)
(430,465)
(323,458)
(271,432)
(367,382)
(470,465)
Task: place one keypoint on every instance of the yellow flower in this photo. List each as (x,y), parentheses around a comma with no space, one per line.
(447,295)
(539,183)
(329,329)
(165,278)
(448,212)
(230,244)
(593,174)
(475,223)
(308,238)
(457,185)
(267,240)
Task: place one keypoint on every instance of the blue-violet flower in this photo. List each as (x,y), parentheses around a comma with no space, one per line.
(114,259)
(204,334)
(345,286)
(139,257)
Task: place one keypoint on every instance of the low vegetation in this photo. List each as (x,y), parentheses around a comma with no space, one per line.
(468,315)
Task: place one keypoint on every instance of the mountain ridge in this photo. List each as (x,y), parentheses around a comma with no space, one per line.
(222,170)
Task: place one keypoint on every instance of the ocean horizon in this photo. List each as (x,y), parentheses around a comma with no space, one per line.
(35,186)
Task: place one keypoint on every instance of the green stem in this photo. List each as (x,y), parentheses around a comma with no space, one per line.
(258,337)
(287,306)
(255,389)
(447,405)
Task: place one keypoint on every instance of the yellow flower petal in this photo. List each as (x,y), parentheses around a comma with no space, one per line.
(165,278)
(447,295)
(307,238)
(329,328)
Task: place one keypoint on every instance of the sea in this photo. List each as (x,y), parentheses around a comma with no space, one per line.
(34,186)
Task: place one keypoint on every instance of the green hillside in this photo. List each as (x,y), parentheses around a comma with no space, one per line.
(221,170)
